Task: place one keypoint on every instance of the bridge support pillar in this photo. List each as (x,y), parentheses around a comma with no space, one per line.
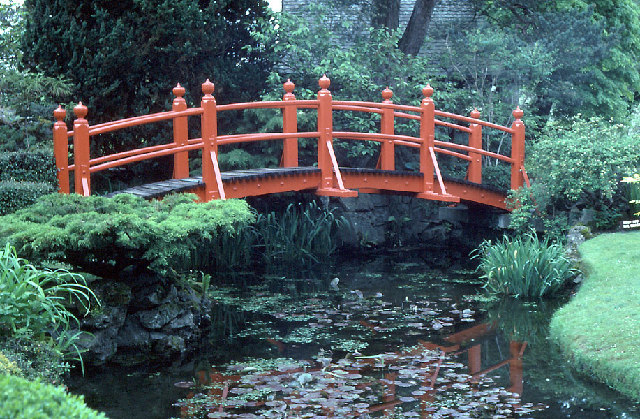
(81,153)
(211,175)
(61,149)
(517,150)
(180,135)
(331,180)
(289,125)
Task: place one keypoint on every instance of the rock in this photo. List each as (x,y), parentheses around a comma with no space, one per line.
(133,336)
(182,321)
(158,317)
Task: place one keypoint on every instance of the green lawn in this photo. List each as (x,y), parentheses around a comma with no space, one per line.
(599,329)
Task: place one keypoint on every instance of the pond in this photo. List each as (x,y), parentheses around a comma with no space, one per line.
(399,335)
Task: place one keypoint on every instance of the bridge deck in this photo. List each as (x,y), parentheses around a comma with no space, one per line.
(252,182)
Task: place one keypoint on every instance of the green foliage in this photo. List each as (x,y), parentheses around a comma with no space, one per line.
(105,235)
(25,96)
(593,73)
(35,301)
(17,195)
(33,359)
(524,267)
(299,234)
(583,160)
(124,57)
(31,166)
(23,399)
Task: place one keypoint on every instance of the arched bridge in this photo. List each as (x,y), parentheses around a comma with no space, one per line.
(327,178)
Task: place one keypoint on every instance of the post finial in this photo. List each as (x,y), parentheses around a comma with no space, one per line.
(324,82)
(178,91)
(387,94)
(517,113)
(289,86)
(80,110)
(208,87)
(60,114)
(427,91)
(475,113)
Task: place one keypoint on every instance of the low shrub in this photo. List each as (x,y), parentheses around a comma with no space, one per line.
(24,399)
(16,195)
(32,359)
(524,266)
(105,235)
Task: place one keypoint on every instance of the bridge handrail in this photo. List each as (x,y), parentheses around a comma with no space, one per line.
(427,144)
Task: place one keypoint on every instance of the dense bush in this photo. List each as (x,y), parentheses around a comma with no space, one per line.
(24,399)
(17,195)
(574,165)
(105,235)
(524,267)
(36,165)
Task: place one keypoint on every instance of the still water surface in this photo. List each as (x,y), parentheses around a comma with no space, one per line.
(402,335)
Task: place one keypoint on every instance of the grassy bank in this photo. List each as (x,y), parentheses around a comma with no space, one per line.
(599,329)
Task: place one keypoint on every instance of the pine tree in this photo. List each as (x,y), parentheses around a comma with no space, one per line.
(125,56)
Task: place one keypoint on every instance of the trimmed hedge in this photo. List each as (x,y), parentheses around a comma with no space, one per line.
(17,195)
(28,166)
(22,399)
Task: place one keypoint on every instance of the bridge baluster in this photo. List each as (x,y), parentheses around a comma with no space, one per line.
(81,151)
(474,173)
(289,125)
(387,152)
(427,135)
(210,170)
(180,134)
(325,127)
(517,149)
(61,149)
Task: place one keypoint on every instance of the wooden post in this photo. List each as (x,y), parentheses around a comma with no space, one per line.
(475,140)
(61,149)
(427,134)
(180,135)
(289,125)
(81,151)
(325,127)
(211,179)
(387,152)
(517,150)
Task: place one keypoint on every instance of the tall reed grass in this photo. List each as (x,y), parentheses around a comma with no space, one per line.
(38,301)
(524,266)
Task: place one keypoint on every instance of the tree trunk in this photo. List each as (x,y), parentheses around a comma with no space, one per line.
(416,30)
(386,14)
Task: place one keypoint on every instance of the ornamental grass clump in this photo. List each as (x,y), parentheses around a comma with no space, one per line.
(35,301)
(524,266)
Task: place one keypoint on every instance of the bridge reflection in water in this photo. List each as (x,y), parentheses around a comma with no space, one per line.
(416,379)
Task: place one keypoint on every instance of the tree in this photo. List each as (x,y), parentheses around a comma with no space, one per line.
(124,57)
(387,14)
(596,45)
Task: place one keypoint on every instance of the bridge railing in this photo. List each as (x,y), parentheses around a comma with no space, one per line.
(331,179)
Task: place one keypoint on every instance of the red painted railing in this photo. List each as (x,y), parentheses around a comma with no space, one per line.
(331,179)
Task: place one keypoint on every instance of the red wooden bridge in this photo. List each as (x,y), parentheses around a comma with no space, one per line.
(328,178)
